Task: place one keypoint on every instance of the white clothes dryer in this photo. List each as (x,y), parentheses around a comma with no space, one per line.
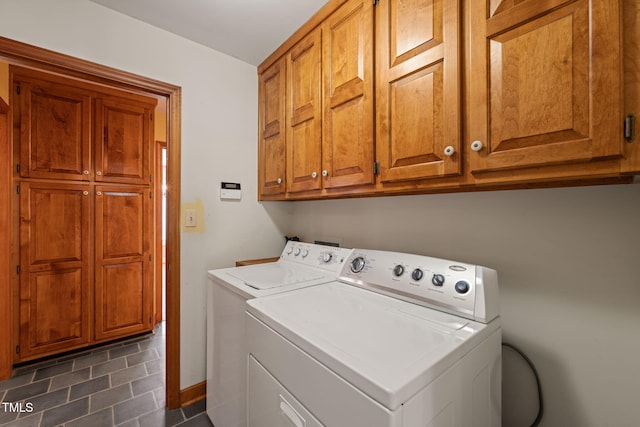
(300,265)
(398,340)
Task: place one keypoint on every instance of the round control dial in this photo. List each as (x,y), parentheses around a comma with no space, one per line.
(398,270)
(326,257)
(437,280)
(417,274)
(462,287)
(357,264)
(296,252)
(305,252)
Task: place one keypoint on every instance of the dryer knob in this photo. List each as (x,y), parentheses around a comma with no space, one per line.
(296,252)
(357,264)
(417,274)
(327,256)
(289,250)
(305,252)
(398,270)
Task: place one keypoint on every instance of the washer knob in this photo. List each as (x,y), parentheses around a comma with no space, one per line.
(327,256)
(296,252)
(289,250)
(398,270)
(462,287)
(357,264)
(437,280)
(305,252)
(417,274)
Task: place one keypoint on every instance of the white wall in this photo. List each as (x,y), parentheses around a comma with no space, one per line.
(219,128)
(568,263)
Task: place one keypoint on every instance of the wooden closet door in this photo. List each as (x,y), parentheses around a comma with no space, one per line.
(54,288)
(55,130)
(545,83)
(123,287)
(304,115)
(123,141)
(418,89)
(271,128)
(347,55)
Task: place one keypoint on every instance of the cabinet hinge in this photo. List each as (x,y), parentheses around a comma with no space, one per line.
(18,269)
(150,178)
(17,189)
(151,116)
(18,89)
(630,127)
(150,258)
(18,168)
(376,168)
(375,2)
(18,349)
(151,194)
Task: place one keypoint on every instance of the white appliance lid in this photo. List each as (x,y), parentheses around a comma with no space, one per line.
(273,275)
(388,348)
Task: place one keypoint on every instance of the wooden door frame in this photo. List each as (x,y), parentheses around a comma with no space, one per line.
(157,173)
(26,55)
(6,333)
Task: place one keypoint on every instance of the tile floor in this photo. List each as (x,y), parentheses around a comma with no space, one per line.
(117,385)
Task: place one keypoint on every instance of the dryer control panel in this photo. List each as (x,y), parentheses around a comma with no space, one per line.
(467,290)
(329,258)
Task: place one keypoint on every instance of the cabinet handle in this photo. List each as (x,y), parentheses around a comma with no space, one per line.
(279,180)
(99,173)
(85,193)
(314,175)
(85,172)
(449,150)
(98,193)
(477,145)
(325,173)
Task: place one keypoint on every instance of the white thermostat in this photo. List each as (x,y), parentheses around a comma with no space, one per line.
(230,191)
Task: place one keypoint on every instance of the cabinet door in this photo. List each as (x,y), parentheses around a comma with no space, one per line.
(123,141)
(304,115)
(418,89)
(347,63)
(55,130)
(123,286)
(271,128)
(54,282)
(545,83)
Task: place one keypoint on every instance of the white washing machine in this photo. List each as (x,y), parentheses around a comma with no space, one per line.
(300,265)
(397,340)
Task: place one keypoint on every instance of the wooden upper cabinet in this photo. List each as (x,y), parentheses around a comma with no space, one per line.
(54,287)
(418,89)
(123,141)
(123,287)
(54,129)
(271,129)
(545,83)
(304,115)
(347,127)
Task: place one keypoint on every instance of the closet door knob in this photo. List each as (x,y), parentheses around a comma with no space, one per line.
(85,193)
(98,193)
(85,172)
(449,150)
(279,180)
(99,173)
(477,145)
(325,173)
(314,175)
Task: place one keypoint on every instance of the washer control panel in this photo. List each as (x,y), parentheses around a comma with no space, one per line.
(450,286)
(326,257)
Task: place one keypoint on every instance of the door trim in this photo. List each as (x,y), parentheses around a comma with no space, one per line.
(23,54)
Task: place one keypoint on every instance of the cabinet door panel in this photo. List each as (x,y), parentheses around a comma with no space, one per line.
(123,287)
(552,83)
(418,89)
(347,40)
(271,128)
(54,288)
(304,115)
(55,130)
(123,141)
